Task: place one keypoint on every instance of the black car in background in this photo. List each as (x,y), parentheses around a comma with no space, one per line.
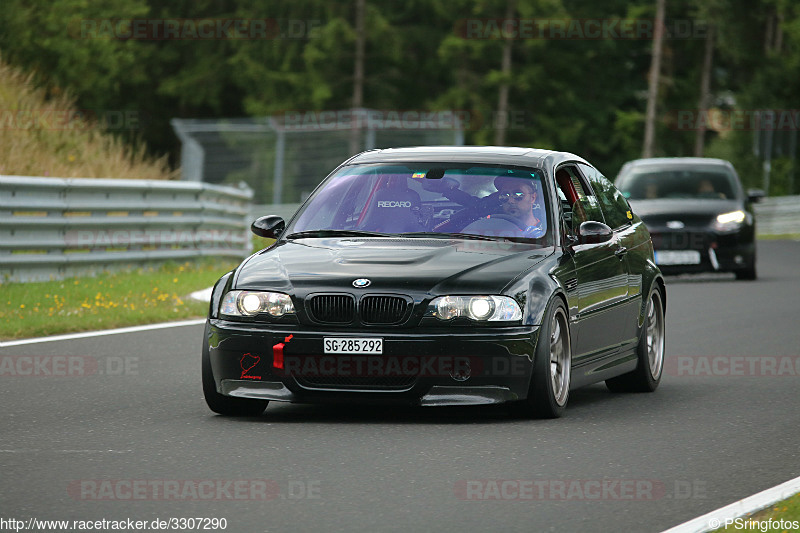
(442,276)
(700,218)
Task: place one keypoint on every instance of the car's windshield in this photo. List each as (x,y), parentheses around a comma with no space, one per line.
(652,183)
(431,200)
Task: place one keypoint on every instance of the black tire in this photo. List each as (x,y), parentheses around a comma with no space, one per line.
(225,405)
(749,273)
(650,351)
(548,393)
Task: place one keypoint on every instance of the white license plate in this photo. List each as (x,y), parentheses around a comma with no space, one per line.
(677,257)
(353,345)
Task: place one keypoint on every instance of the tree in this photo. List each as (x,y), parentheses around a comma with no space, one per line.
(705,93)
(501,124)
(653,81)
(358,73)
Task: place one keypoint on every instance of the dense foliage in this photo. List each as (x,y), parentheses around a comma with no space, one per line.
(574,93)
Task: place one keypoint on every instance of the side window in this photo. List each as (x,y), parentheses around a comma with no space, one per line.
(578,181)
(580,204)
(615,207)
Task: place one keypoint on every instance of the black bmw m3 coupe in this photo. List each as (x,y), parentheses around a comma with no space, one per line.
(442,276)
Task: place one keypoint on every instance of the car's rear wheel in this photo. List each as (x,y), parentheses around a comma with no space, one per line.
(552,367)
(650,352)
(225,405)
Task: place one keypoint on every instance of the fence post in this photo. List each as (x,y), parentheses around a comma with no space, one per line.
(277,185)
(192,153)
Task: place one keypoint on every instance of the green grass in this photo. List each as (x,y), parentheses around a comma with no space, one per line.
(259,243)
(787,510)
(780,237)
(109,300)
(58,140)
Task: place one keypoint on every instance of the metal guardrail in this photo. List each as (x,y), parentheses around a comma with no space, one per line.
(51,228)
(779,215)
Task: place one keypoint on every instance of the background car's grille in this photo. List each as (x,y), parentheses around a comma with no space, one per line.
(382,309)
(360,383)
(332,308)
(690,221)
(679,240)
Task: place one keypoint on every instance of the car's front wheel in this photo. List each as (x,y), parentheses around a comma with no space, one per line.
(225,405)
(650,352)
(552,367)
(748,273)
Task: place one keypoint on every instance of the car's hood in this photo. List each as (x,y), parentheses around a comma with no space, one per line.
(436,266)
(683,206)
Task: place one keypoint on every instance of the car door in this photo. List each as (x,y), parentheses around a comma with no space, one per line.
(601,276)
(619,217)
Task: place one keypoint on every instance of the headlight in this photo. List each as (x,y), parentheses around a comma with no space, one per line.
(729,221)
(480,308)
(249,303)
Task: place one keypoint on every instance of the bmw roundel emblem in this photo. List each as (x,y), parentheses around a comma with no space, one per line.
(360,283)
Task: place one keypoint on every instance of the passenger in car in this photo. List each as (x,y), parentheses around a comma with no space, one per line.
(706,189)
(651,191)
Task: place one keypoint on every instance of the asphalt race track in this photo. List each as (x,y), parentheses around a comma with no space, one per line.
(129,407)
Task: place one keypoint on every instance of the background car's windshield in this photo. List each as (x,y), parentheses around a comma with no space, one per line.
(483,200)
(652,183)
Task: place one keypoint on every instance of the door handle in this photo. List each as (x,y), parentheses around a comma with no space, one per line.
(621,251)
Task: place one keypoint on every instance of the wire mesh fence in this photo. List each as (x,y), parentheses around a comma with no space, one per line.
(282,158)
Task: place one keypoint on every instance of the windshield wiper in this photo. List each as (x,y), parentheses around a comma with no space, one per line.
(319,233)
(336,233)
(437,235)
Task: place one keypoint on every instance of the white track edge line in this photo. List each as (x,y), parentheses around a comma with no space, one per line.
(753,503)
(87,334)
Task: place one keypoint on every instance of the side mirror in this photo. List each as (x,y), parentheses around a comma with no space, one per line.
(593,232)
(270,227)
(755,195)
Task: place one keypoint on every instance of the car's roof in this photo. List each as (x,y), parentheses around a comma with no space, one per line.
(679,161)
(466,154)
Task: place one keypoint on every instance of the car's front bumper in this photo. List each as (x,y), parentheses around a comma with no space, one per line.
(422,366)
(719,252)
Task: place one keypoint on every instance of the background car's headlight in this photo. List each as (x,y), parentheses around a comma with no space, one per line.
(729,221)
(481,308)
(249,303)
